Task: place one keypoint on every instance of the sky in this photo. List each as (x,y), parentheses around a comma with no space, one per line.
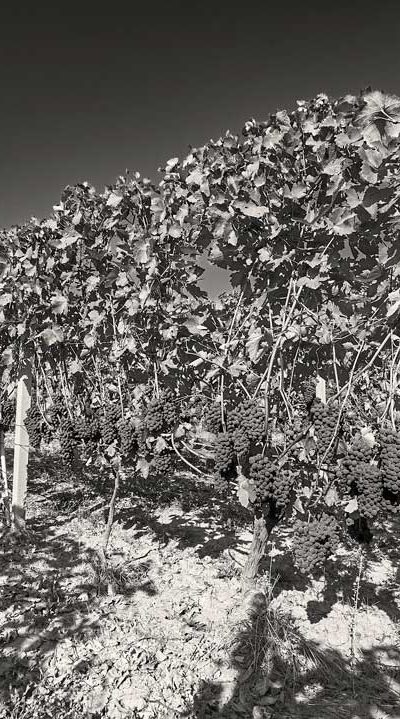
(90,90)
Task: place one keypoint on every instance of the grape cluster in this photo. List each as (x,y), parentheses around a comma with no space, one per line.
(163,463)
(314,542)
(390,459)
(170,408)
(308,391)
(127,437)
(7,413)
(58,410)
(109,423)
(161,414)
(350,471)
(33,424)
(370,488)
(263,473)
(87,429)
(154,417)
(361,478)
(67,441)
(212,418)
(283,484)
(388,505)
(293,433)
(324,419)
(224,454)
(246,423)
(220,482)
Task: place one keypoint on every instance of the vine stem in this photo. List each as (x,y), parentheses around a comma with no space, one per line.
(294,366)
(232,324)
(363,369)
(355,607)
(118,361)
(267,374)
(221,367)
(393,382)
(341,408)
(193,451)
(189,464)
(393,375)
(282,388)
(334,365)
(64,391)
(111,511)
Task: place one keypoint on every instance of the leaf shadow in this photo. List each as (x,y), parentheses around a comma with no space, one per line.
(49,592)
(282,675)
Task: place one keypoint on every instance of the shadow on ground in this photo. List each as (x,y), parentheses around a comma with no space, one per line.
(49,585)
(280,675)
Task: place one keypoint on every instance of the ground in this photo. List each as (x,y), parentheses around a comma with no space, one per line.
(169,630)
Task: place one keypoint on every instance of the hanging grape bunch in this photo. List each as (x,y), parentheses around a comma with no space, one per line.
(67,441)
(294,433)
(307,394)
(170,408)
(109,423)
(314,542)
(163,464)
(7,414)
(390,459)
(213,418)
(47,432)
(58,410)
(127,438)
(224,461)
(353,465)
(224,455)
(161,414)
(324,417)
(370,487)
(246,424)
(283,485)
(33,424)
(263,473)
(87,429)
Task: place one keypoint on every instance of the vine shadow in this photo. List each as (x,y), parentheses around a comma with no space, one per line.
(282,675)
(49,592)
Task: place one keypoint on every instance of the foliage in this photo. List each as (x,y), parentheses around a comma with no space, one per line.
(303,210)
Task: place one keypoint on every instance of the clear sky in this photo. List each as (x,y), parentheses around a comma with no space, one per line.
(90,89)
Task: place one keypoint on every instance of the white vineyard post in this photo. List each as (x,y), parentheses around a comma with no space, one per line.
(21,447)
(320,390)
(5,493)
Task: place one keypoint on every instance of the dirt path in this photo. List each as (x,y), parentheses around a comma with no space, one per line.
(168,633)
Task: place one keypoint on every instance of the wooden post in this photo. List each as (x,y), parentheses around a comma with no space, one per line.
(21,446)
(5,493)
(320,390)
